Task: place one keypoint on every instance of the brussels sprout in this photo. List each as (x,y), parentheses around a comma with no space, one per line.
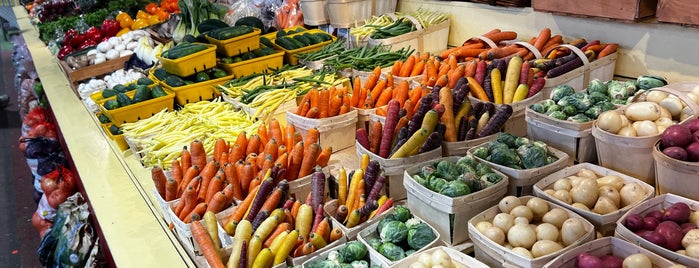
(455,188)
(561,91)
(538,107)
(427,171)
(504,156)
(606,105)
(548,103)
(491,178)
(558,115)
(481,152)
(467,160)
(352,251)
(394,231)
(532,156)
(402,213)
(420,180)
(597,86)
(420,235)
(410,252)
(482,169)
(565,101)
(569,110)
(448,170)
(436,184)
(553,108)
(392,251)
(543,145)
(579,118)
(374,243)
(360,264)
(646,82)
(324,264)
(617,90)
(596,97)
(506,138)
(384,221)
(593,112)
(412,221)
(521,141)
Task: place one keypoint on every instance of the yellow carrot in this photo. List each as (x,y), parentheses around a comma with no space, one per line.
(496,84)
(341,186)
(286,247)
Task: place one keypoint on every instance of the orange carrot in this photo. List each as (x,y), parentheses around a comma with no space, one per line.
(228,191)
(295,208)
(215,186)
(254,144)
(272,200)
(442,81)
(295,159)
(189,201)
(232,179)
(324,156)
(386,96)
(206,174)
(476,89)
(501,52)
(409,108)
(196,214)
(501,36)
(314,96)
(186,158)
(323,229)
(192,172)
(402,92)
(300,107)
(397,66)
(373,78)
(219,147)
(276,132)
(313,113)
(609,49)
(196,149)
(159,180)
(357,86)
(335,234)
(240,210)
(290,132)
(543,37)
(170,190)
(311,137)
(246,176)
(309,160)
(334,105)
(323,103)
(282,160)
(206,245)
(407,67)
(376,91)
(217,203)
(176,171)
(284,226)
(470,69)
(455,75)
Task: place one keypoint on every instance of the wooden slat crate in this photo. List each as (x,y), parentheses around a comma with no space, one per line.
(619,9)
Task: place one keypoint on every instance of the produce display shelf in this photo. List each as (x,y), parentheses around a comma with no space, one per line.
(112,183)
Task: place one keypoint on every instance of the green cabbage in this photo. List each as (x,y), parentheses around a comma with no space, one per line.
(448,170)
(481,152)
(482,169)
(467,160)
(384,221)
(538,107)
(597,86)
(579,118)
(569,110)
(352,251)
(596,97)
(455,188)
(532,156)
(402,213)
(504,156)
(374,243)
(506,138)
(558,115)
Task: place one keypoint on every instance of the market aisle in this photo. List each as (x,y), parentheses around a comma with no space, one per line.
(18,239)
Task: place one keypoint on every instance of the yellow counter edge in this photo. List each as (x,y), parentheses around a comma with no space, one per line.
(115,185)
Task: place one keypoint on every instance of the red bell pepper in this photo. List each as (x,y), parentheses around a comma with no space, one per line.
(69,35)
(93,34)
(110,28)
(88,43)
(65,51)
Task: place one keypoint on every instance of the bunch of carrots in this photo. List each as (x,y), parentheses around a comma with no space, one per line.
(270,225)
(358,200)
(324,103)
(401,136)
(236,169)
(474,47)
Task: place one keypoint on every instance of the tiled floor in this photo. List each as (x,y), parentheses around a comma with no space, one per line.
(18,239)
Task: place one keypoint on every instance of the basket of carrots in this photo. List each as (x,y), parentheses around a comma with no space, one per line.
(349,211)
(327,114)
(270,223)
(400,142)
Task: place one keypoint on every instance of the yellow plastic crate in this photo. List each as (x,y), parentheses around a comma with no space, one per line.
(97,96)
(140,110)
(198,91)
(290,56)
(237,45)
(271,36)
(119,140)
(191,64)
(256,65)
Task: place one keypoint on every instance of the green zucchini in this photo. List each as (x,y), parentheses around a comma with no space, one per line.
(183,49)
(210,25)
(158,92)
(106,93)
(286,43)
(123,100)
(111,104)
(314,39)
(266,42)
(143,93)
(230,32)
(297,43)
